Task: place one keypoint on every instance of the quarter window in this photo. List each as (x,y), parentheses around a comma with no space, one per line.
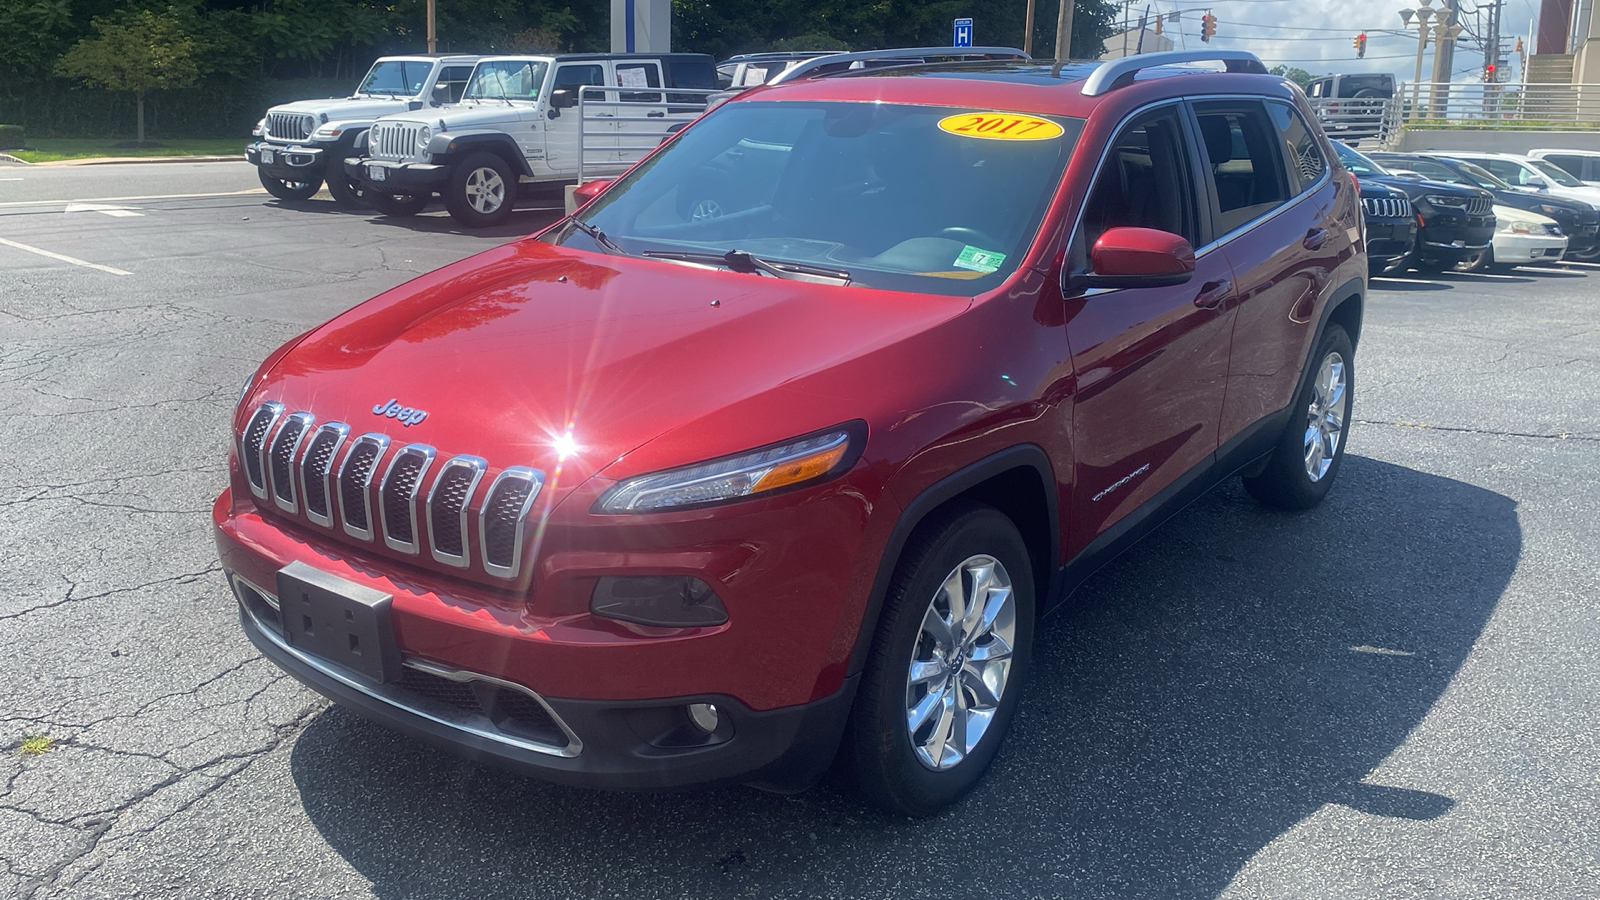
(1306,164)
(1245,169)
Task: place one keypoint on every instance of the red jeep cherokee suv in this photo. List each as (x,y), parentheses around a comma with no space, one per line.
(776,451)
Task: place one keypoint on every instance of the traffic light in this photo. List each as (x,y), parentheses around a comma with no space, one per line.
(1360,43)
(1208,26)
(1488,73)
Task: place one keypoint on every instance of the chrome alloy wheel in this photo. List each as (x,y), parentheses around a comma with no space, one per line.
(960,662)
(1325,416)
(486,190)
(705,209)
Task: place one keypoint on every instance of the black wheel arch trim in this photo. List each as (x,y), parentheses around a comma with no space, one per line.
(1021,456)
(499,142)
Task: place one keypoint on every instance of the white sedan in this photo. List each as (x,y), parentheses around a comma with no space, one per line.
(1521,238)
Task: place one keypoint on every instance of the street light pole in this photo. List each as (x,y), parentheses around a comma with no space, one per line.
(1027,31)
(1064,32)
(1422,16)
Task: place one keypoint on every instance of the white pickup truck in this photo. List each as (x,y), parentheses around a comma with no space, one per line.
(299,145)
(519,123)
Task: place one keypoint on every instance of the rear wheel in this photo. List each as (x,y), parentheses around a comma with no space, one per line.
(397,204)
(288,190)
(1302,467)
(481,191)
(346,191)
(947,664)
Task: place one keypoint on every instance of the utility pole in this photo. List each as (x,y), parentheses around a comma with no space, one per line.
(1064,32)
(1444,51)
(1027,31)
(433,37)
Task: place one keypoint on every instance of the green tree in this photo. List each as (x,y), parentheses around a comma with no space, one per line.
(133,54)
(1298,76)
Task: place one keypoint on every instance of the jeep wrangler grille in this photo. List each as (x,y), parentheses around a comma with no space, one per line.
(393,140)
(286,126)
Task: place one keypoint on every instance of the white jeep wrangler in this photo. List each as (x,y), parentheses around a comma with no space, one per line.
(300,144)
(519,123)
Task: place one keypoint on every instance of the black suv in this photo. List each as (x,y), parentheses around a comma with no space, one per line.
(1456,222)
(1578,220)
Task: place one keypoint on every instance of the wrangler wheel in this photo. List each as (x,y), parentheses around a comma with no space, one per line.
(288,190)
(398,204)
(481,191)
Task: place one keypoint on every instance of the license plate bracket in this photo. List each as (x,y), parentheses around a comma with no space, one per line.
(377,173)
(268,157)
(338,621)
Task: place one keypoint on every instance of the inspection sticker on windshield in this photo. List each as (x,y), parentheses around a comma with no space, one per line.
(1001,126)
(984,261)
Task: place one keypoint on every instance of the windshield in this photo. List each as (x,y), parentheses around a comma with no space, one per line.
(396,76)
(516,79)
(1482,177)
(901,197)
(1555,173)
(1357,163)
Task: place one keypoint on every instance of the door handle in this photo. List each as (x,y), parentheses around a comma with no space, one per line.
(1315,238)
(658,114)
(1211,294)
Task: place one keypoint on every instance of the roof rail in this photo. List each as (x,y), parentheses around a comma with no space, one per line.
(835,63)
(1120,72)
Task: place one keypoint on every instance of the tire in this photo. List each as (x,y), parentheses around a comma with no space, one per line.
(288,190)
(1303,465)
(1477,262)
(481,190)
(347,191)
(1431,266)
(909,770)
(1590,255)
(397,204)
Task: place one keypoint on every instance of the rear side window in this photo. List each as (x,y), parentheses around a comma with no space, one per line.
(1306,165)
(454,78)
(697,75)
(1241,147)
(1583,167)
(1435,172)
(576,76)
(1506,170)
(1366,86)
(1145,181)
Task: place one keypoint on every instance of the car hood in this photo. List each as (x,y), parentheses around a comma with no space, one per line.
(474,114)
(511,350)
(345,108)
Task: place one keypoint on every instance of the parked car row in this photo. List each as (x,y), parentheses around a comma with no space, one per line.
(1473,211)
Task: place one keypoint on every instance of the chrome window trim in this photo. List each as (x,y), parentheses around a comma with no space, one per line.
(428,453)
(382,440)
(1327,171)
(262,491)
(479,465)
(531,474)
(392,696)
(341,431)
(292,505)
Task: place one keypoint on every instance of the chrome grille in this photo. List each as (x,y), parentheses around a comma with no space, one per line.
(447,508)
(1387,207)
(315,471)
(285,448)
(1480,206)
(503,516)
(355,484)
(393,140)
(397,504)
(287,126)
(253,445)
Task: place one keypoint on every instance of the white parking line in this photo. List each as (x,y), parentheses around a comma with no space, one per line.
(64,258)
(103,209)
(127,199)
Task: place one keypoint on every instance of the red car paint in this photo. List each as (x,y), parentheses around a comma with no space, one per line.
(595,368)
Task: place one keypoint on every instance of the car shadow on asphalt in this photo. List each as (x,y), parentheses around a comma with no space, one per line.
(1403,285)
(524,220)
(1207,691)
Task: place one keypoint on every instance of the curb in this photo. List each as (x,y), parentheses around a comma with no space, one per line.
(132,160)
(12,160)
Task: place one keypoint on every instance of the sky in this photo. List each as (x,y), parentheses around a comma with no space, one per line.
(1315,34)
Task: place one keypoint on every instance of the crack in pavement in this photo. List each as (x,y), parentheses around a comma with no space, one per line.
(184,578)
(1458,429)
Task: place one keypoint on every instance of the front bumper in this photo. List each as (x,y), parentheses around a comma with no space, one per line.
(1452,238)
(288,162)
(648,744)
(1512,249)
(1389,241)
(388,177)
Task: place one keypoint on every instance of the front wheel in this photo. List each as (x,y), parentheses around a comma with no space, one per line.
(1306,459)
(346,191)
(1590,255)
(947,663)
(397,204)
(288,190)
(481,191)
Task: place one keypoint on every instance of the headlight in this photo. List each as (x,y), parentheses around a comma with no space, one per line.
(1517,226)
(801,461)
(1551,211)
(423,137)
(308,124)
(1447,202)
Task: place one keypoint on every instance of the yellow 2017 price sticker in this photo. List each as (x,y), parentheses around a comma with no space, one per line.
(1000,126)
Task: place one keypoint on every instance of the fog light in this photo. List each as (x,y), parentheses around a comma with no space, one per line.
(667,601)
(704,716)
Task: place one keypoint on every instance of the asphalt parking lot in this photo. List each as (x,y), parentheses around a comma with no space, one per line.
(1393,695)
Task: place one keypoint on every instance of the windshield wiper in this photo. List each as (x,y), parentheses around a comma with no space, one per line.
(599,237)
(750,264)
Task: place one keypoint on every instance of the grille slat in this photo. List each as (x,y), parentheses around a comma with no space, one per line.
(315,468)
(281,458)
(448,502)
(355,483)
(286,126)
(1387,207)
(253,443)
(398,495)
(503,516)
(1480,206)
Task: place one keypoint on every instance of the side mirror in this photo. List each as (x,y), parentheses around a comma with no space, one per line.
(563,98)
(583,193)
(441,94)
(1538,184)
(1138,257)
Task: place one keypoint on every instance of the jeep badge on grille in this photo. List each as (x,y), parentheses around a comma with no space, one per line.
(405,415)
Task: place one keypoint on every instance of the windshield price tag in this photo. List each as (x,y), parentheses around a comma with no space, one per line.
(1000,126)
